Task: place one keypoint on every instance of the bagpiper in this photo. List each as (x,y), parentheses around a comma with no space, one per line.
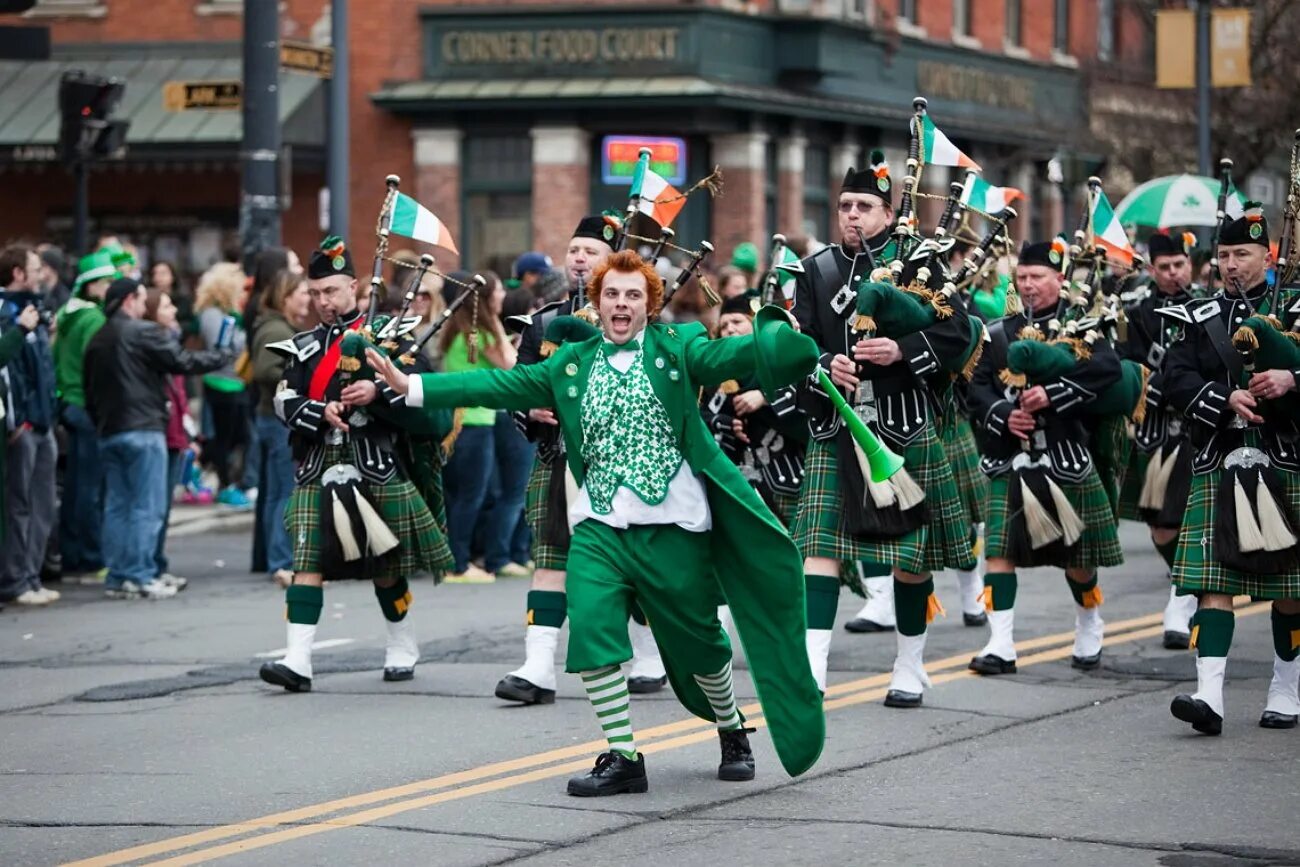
(353,514)
(1041,472)
(1237,393)
(663,518)
(884,377)
(1158,477)
(545,504)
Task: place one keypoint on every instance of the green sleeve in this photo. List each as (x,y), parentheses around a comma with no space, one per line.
(524,387)
(713,362)
(11,343)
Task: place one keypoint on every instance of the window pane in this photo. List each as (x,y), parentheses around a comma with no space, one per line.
(1061,30)
(1105,29)
(961,17)
(1013,22)
(499,161)
(907,10)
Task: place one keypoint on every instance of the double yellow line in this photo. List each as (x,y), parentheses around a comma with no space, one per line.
(382,803)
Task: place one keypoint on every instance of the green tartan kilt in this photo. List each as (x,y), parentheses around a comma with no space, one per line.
(1195,568)
(545,554)
(1131,491)
(783,506)
(423,547)
(959,444)
(1099,544)
(1110,452)
(943,541)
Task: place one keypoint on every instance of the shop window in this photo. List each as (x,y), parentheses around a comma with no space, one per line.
(816,192)
(497,185)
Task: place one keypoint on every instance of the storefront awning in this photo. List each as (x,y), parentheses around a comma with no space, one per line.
(29,111)
(547,94)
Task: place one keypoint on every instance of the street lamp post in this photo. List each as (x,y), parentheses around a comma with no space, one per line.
(259,208)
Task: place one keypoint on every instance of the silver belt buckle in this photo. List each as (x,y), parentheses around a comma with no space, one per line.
(1039,440)
(865,401)
(841,300)
(334,437)
(1155,355)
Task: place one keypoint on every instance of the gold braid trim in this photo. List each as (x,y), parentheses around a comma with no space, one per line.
(406,360)
(349,364)
(457,422)
(940,305)
(1295,336)
(1030,332)
(1015,380)
(862,322)
(968,371)
(589,315)
(548,348)
(389,346)
(1082,351)
(1140,410)
(729,387)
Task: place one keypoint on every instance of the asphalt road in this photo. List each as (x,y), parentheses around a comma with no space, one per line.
(137,732)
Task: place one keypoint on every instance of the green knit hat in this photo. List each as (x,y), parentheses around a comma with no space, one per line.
(745,258)
(97,266)
(122,258)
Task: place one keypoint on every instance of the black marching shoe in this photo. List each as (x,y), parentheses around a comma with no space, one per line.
(278,674)
(645,685)
(899,698)
(990,665)
(613,774)
(980,619)
(862,624)
(1086,663)
(513,688)
(1271,719)
(737,763)
(1176,640)
(1198,713)
(396,673)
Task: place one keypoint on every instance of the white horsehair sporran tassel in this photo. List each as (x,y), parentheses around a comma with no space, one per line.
(1249,534)
(1272,523)
(343,529)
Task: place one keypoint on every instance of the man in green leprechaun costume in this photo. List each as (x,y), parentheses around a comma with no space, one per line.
(1238,397)
(662,518)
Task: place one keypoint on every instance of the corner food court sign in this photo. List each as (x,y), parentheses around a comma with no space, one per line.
(474,49)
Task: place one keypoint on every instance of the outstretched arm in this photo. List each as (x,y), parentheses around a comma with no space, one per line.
(520,388)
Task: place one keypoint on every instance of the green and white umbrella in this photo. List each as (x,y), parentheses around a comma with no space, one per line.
(1176,200)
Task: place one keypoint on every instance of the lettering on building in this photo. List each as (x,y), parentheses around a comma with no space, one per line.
(561,47)
(963,84)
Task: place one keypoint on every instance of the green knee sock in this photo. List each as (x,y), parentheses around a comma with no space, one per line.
(607,691)
(823,594)
(1212,631)
(911,602)
(394,601)
(1286,635)
(1000,588)
(637,614)
(1167,550)
(871,569)
(547,608)
(303,604)
(1085,593)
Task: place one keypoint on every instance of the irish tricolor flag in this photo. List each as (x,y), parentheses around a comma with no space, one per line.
(413,220)
(991,199)
(658,199)
(938,150)
(1107,232)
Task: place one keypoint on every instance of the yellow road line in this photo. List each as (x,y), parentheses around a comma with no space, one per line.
(689,731)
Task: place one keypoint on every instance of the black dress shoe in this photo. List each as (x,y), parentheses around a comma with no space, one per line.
(1271,719)
(279,674)
(899,698)
(396,673)
(737,758)
(643,685)
(1176,640)
(1086,663)
(1198,713)
(862,624)
(613,774)
(988,664)
(513,688)
(980,619)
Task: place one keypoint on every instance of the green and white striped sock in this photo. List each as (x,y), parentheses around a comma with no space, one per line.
(607,690)
(721,694)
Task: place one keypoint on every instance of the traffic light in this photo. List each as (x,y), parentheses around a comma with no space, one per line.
(87,132)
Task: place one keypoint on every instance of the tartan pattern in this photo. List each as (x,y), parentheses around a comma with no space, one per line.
(1196,570)
(424,548)
(1131,490)
(963,454)
(1111,449)
(545,555)
(1099,544)
(944,541)
(783,506)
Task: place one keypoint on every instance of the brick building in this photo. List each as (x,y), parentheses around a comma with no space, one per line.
(498,115)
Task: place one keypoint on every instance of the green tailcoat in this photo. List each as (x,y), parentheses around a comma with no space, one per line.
(759,571)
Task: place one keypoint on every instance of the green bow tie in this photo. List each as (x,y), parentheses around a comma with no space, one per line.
(611,348)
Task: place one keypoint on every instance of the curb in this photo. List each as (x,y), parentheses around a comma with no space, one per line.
(216,521)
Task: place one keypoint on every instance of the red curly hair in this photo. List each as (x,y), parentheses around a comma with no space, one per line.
(628,262)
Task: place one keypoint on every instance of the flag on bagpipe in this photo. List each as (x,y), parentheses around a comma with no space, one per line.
(413,220)
(938,150)
(1107,231)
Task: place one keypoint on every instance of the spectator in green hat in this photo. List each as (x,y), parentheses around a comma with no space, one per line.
(81,511)
(745,257)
